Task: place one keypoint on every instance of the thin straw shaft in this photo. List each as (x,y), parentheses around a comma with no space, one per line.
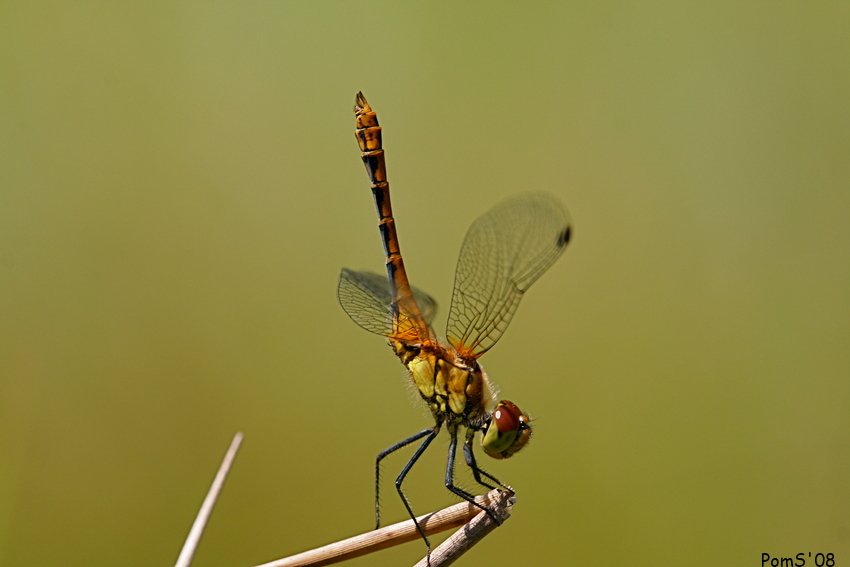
(191,544)
(390,536)
(462,540)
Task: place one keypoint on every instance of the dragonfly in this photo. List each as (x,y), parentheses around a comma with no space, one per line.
(504,252)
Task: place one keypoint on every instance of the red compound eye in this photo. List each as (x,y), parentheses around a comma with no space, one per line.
(508,432)
(507,417)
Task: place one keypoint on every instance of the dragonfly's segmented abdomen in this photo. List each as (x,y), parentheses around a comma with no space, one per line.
(368,134)
(408,322)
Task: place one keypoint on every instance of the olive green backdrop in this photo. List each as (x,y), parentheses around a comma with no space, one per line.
(180,185)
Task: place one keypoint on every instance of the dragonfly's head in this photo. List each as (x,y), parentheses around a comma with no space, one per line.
(507,431)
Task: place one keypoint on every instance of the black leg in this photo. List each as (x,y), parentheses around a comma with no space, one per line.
(398,481)
(477,471)
(450,467)
(383,454)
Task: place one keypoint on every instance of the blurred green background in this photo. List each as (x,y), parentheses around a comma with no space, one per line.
(180,185)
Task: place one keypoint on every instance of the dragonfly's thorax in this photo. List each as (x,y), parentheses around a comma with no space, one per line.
(455,390)
(405,351)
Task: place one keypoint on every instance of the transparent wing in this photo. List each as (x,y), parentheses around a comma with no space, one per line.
(367,299)
(504,252)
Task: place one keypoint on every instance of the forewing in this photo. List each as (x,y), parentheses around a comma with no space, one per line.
(504,252)
(367,299)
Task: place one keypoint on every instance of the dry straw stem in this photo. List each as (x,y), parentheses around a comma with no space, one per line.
(194,537)
(500,504)
(462,540)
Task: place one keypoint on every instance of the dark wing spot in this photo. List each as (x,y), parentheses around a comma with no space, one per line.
(564,237)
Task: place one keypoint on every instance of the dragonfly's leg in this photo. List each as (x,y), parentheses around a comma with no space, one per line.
(381,456)
(450,470)
(477,471)
(431,433)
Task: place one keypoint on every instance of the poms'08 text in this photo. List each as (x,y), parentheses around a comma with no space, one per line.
(799,560)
